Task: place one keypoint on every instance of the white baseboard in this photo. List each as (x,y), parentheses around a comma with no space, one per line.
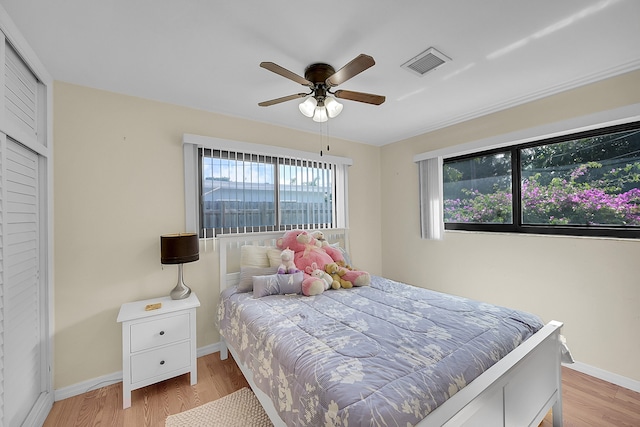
(105,380)
(211,348)
(85,386)
(605,376)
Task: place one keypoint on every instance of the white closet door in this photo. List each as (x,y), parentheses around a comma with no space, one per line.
(20,93)
(23,324)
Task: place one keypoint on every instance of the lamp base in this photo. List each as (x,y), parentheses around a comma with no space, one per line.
(181,291)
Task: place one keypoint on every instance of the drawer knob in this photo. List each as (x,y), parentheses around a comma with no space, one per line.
(162,362)
(161,332)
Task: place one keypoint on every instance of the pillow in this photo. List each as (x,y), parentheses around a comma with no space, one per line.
(343,251)
(273,254)
(254,256)
(277,284)
(247,273)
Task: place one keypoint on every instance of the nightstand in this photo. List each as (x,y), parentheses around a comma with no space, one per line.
(157,344)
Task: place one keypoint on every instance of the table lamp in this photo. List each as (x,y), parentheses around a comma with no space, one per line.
(179,249)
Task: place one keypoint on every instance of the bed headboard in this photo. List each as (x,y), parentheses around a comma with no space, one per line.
(229,249)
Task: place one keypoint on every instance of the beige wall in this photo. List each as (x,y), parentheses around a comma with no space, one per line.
(592,285)
(118,186)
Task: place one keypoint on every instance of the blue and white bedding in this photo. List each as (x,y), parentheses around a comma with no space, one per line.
(385,354)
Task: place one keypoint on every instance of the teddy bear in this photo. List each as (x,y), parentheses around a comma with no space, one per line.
(334,253)
(313,270)
(287,266)
(307,252)
(336,272)
(321,242)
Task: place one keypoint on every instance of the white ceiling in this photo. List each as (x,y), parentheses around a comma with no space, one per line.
(205,53)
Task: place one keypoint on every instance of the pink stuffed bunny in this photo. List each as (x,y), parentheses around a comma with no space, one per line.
(314,271)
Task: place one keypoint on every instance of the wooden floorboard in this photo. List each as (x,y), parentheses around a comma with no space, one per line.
(587,401)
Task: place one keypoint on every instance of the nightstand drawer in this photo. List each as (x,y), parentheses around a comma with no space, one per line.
(160,362)
(147,335)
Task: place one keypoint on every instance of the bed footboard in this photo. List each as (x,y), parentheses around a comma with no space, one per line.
(519,390)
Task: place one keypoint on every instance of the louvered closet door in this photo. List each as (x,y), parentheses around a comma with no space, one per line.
(23,330)
(20,93)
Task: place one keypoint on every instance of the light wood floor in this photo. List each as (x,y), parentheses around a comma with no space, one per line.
(150,405)
(587,401)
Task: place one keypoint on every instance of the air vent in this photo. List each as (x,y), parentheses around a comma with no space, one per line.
(427,61)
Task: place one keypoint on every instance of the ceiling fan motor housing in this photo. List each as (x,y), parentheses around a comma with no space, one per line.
(318,74)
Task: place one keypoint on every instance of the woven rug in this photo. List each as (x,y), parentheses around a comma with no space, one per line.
(239,409)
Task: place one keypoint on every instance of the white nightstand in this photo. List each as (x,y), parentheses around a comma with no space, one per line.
(157,344)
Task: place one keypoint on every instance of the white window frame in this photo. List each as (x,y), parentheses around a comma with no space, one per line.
(191,143)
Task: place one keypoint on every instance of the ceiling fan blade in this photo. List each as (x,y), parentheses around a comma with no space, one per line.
(283,99)
(353,68)
(369,98)
(285,73)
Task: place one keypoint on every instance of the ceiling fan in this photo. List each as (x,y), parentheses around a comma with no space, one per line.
(321,78)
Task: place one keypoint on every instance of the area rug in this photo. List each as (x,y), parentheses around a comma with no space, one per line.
(238,409)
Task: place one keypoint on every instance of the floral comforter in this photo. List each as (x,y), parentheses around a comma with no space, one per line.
(385,354)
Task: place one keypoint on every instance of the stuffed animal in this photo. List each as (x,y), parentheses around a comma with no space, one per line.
(307,252)
(314,271)
(350,277)
(356,277)
(321,242)
(336,272)
(334,253)
(287,266)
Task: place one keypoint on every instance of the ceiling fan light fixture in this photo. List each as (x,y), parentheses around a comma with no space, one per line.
(308,106)
(320,114)
(333,107)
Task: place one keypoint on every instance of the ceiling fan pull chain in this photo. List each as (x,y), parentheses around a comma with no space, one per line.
(326,134)
(324,130)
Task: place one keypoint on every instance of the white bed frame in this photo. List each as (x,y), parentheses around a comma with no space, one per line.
(518,390)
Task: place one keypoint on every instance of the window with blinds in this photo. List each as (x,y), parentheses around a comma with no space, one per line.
(242,192)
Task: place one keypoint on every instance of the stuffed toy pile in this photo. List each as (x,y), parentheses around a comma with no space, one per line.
(312,255)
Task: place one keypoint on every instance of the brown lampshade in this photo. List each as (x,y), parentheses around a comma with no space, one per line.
(179,248)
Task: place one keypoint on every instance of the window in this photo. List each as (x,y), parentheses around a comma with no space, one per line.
(245,188)
(478,189)
(581,184)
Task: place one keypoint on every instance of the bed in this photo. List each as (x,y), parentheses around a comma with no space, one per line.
(434,360)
